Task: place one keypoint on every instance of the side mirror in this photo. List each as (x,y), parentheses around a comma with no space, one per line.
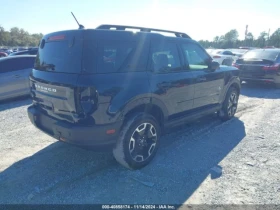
(214,65)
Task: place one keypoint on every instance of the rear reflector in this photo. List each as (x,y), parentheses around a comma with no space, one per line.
(59,37)
(236,65)
(111,131)
(216,56)
(273,67)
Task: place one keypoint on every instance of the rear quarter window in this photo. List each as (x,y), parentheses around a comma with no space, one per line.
(105,56)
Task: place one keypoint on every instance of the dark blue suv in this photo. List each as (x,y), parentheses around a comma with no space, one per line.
(122,89)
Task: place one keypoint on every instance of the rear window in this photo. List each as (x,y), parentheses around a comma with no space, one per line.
(261,54)
(60,53)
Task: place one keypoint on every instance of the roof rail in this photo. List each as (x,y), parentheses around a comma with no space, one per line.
(120,27)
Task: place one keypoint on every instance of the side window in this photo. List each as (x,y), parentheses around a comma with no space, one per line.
(196,58)
(9,65)
(165,57)
(114,56)
(26,63)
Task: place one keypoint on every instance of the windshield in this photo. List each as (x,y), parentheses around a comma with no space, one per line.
(261,54)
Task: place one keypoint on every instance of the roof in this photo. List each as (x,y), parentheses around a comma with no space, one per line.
(122,30)
(142,29)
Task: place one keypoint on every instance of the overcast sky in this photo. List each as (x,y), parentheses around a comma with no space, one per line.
(201,19)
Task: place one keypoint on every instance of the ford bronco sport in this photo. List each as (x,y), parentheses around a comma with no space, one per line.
(122,89)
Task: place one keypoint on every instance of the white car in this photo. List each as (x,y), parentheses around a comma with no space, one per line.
(239,52)
(223,57)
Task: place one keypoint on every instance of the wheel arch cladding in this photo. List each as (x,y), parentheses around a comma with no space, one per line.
(151,109)
(236,86)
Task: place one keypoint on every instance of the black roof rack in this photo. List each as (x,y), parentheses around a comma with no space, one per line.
(120,27)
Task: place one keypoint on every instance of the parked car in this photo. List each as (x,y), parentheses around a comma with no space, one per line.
(14,76)
(269,47)
(262,65)
(223,57)
(150,83)
(3,49)
(3,54)
(238,53)
(22,48)
(25,52)
(248,48)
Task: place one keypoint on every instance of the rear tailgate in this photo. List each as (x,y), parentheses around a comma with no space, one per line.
(56,71)
(254,63)
(253,68)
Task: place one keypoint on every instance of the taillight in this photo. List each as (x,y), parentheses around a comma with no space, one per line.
(236,65)
(274,67)
(87,99)
(216,56)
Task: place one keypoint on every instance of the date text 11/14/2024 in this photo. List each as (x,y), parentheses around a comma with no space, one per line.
(138,206)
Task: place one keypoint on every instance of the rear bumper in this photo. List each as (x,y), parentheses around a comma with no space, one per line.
(80,135)
(268,78)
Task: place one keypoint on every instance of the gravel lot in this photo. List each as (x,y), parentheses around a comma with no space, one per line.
(207,162)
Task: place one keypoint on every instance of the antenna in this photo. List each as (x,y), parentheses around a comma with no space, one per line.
(80,26)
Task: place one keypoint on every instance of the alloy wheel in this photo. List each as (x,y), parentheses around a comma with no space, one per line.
(232,104)
(143,142)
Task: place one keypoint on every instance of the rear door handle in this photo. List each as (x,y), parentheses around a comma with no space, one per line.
(201,79)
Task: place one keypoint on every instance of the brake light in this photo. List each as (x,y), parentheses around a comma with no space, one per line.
(216,56)
(274,67)
(236,65)
(54,38)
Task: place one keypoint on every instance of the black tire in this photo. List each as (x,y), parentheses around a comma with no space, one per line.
(132,146)
(229,105)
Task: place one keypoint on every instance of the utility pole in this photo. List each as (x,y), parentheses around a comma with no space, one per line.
(268,35)
(246,32)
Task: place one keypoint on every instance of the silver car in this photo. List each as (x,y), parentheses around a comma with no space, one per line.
(14,75)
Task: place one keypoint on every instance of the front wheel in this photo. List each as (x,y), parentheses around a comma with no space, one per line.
(138,141)
(229,105)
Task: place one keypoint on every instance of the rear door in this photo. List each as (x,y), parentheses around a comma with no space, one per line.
(208,85)
(14,77)
(171,83)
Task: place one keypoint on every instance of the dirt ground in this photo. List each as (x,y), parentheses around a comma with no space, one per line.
(204,162)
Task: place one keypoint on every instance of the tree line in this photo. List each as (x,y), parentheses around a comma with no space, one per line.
(19,37)
(230,40)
